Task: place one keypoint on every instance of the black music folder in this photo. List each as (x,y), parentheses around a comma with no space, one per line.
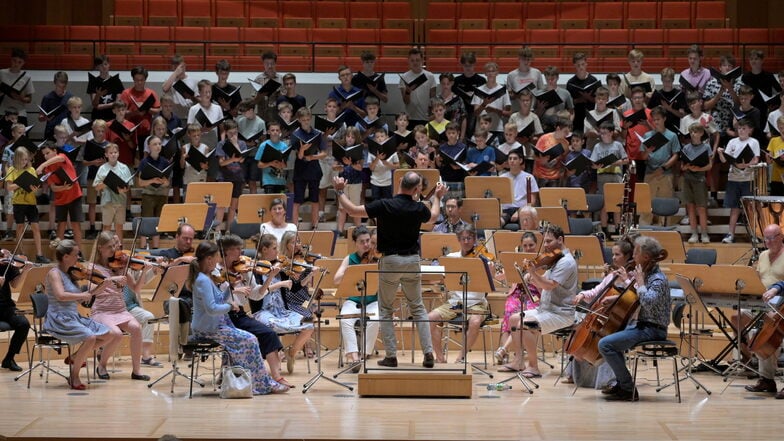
(146,104)
(310,139)
(120,129)
(71,151)
(63,176)
(654,141)
(439,137)
(112,85)
(617,102)
(205,121)
(636,117)
(550,98)
(233,151)
(115,183)
(251,138)
(269,87)
(270,154)
(698,160)
(150,171)
(407,139)
(530,86)
(416,82)
(325,124)
(596,123)
(220,94)
(552,152)
(371,125)
(527,131)
(453,159)
(50,112)
(388,147)
(93,151)
(27,181)
(492,96)
(79,130)
(354,152)
(25,142)
(745,156)
(774,131)
(348,95)
(731,76)
(606,161)
(184,89)
(170,147)
(579,164)
(196,158)
(686,86)
(578,91)
(290,126)
(8,89)
(645,85)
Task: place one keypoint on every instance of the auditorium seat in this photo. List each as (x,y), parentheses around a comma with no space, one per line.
(301,63)
(717,42)
(50,39)
(776,64)
(120,40)
(544,43)
(15,36)
(440,15)
(756,38)
(162,13)
(222,41)
(361,40)
(641,15)
(128,12)
(650,42)
(507,43)
(332,14)
(290,42)
(478,41)
(75,62)
(264,14)
(196,12)
(506,15)
(230,13)
(256,41)
(297,15)
(577,40)
(365,15)
(575,15)
(444,65)
(150,62)
(675,15)
(395,43)
(679,41)
(392,64)
(608,15)
(710,14)
(540,15)
(613,43)
(473,15)
(441,43)
(83,40)
(156,40)
(329,42)
(328,64)
(397,15)
(189,40)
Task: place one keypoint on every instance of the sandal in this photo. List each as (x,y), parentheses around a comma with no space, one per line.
(500,356)
(507,368)
(151,362)
(530,374)
(283,381)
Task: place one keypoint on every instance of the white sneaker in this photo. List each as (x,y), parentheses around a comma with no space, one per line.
(705,238)
(729,238)
(694,238)
(685,220)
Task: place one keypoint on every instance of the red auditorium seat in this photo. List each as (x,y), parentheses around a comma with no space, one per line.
(328,64)
(675,15)
(575,15)
(541,15)
(156,40)
(756,38)
(301,63)
(478,41)
(84,40)
(128,12)
(395,43)
(641,14)
(55,34)
(256,41)
(365,15)
(329,42)
(392,64)
(189,40)
(776,35)
(613,43)
(332,14)
(473,15)
(223,41)
(120,40)
(75,62)
(444,65)
(297,15)
(441,43)
(230,13)
(650,42)
(162,13)
(609,16)
(710,14)
(506,15)
(292,43)
(264,14)
(397,15)
(15,36)
(150,62)
(679,41)
(544,43)
(717,42)
(578,40)
(196,12)
(440,15)
(361,40)
(508,43)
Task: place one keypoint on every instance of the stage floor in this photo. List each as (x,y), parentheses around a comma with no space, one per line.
(124,409)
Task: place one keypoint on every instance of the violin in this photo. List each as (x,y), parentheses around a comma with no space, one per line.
(79,272)
(480,251)
(18,261)
(371,256)
(122,258)
(546,260)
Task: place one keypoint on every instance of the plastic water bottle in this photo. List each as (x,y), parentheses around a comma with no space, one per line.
(498,386)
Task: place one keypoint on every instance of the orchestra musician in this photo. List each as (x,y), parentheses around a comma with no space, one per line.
(558,286)
(476,301)
(768,365)
(277,224)
(8,313)
(365,253)
(210,320)
(653,317)
(452,221)
(399,219)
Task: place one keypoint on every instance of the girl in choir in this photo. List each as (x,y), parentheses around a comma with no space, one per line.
(24,202)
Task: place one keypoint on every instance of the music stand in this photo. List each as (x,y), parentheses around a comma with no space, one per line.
(505,240)
(670,241)
(570,198)
(320,242)
(463,274)
(489,187)
(587,251)
(432,176)
(554,215)
(436,245)
(613,197)
(254,208)
(172,281)
(172,215)
(483,213)
(218,193)
(33,282)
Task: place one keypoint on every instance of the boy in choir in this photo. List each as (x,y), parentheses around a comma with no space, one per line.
(695,76)
(382,168)
(401,129)
(134,97)
(249,124)
(480,153)
(167,113)
(549,115)
(290,94)
(584,101)
(126,142)
(55,103)
(695,191)
(182,100)
(102,99)
(524,187)
(616,100)
(740,174)
(438,124)
(232,167)
(510,142)
(525,76)
(600,111)
(209,133)
(697,116)
(349,98)
(364,80)
(635,76)
(776,150)
(499,108)
(113,203)
(309,146)
(610,173)
(267,102)
(761,82)
(155,191)
(632,129)
(327,163)
(455,109)
(485,122)
(74,120)
(745,110)
(351,171)
(273,174)
(67,196)
(549,170)
(10,118)
(17,131)
(673,100)
(99,138)
(659,161)
(222,89)
(451,174)
(371,121)
(464,85)
(775,114)
(191,174)
(24,204)
(21,83)
(417,97)
(522,119)
(576,148)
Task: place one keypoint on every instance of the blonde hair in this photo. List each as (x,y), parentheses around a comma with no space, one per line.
(19,156)
(74,101)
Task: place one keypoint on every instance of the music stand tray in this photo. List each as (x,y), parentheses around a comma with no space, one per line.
(489,187)
(508,260)
(483,213)
(435,245)
(670,241)
(613,197)
(172,282)
(321,242)
(505,240)
(571,198)
(254,208)
(587,248)
(554,215)
(172,215)
(432,176)
(218,193)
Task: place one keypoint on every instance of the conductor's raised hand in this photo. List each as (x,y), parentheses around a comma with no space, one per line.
(339,183)
(441,189)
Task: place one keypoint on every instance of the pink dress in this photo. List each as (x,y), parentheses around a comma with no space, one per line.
(109,308)
(514,302)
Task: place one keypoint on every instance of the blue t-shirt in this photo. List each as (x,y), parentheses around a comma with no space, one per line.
(272,175)
(477,157)
(232,172)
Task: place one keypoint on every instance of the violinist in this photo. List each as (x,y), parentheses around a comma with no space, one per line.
(277,225)
(558,286)
(653,318)
(273,311)
(8,312)
(246,287)
(476,301)
(352,306)
(452,221)
(63,320)
(110,309)
(300,276)
(769,365)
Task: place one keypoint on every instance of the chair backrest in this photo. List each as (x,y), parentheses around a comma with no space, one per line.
(244,231)
(706,256)
(580,226)
(148,227)
(595,202)
(40,304)
(665,206)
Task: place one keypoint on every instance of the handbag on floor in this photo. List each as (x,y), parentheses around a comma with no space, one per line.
(236,383)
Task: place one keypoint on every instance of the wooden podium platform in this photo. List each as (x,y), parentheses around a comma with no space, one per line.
(415,384)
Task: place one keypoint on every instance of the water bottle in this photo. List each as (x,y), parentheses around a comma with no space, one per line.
(498,386)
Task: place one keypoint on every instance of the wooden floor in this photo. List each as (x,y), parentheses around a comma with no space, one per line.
(124,409)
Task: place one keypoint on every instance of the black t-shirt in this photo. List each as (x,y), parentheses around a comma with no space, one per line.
(677,99)
(581,108)
(6,302)
(235,100)
(360,81)
(764,82)
(467,84)
(398,219)
(297,102)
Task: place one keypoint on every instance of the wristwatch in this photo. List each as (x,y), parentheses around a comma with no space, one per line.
(339,192)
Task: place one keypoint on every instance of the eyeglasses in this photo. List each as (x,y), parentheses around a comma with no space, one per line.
(769,238)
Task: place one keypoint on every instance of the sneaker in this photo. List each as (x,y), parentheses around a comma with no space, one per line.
(624,395)
(390,361)
(68,234)
(52,235)
(685,220)
(729,238)
(42,259)
(694,238)
(430,361)
(705,238)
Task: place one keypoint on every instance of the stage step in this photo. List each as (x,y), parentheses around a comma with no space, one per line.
(415,384)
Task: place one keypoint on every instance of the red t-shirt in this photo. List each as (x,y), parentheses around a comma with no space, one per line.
(632,141)
(132,96)
(127,151)
(67,196)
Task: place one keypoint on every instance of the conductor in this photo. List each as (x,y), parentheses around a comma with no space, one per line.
(399,219)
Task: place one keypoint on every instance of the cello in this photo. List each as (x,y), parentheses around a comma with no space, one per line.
(770,336)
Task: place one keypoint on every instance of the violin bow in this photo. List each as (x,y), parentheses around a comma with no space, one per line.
(16,249)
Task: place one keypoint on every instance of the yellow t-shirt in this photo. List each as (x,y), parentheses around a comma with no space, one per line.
(21,197)
(776,149)
(770,272)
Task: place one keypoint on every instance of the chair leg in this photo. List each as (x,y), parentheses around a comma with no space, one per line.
(677,380)
(634,373)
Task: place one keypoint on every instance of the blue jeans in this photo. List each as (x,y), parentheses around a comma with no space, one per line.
(613,347)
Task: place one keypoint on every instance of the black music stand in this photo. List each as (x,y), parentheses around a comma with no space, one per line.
(354,284)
